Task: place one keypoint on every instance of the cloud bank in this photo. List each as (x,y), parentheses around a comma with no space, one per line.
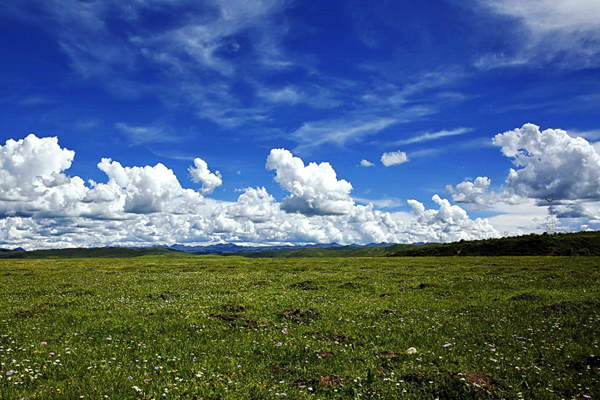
(43,207)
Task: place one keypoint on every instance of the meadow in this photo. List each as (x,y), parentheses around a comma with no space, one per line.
(210,327)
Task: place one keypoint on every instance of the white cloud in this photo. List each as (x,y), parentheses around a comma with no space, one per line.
(519,218)
(393,158)
(366,163)
(138,134)
(471,191)
(432,136)
(547,16)
(550,163)
(146,205)
(32,181)
(146,189)
(200,173)
(386,202)
(288,94)
(314,189)
(557,176)
(312,134)
(449,222)
(565,31)
(590,135)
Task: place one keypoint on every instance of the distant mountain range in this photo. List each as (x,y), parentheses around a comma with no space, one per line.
(231,248)
(564,244)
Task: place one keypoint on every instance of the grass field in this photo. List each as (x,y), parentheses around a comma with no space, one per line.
(176,326)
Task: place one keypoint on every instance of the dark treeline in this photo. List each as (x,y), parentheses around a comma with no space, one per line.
(562,244)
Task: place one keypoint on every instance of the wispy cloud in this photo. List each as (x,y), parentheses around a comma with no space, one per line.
(567,33)
(482,142)
(338,132)
(425,137)
(138,134)
(195,60)
(34,101)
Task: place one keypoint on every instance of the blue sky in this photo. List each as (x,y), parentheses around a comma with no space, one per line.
(429,84)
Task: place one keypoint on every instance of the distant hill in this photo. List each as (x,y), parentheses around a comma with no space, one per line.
(373,250)
(563,244)
(87,252)
(232,248)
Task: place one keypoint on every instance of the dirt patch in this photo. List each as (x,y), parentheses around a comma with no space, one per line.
(304,382)
(165,296)
(325,354)
(251,324)
(227,317)
(337,336)
(25,314)
(567,307)
(525,297)
(425,285)
(453,385)
(299,315)
(582,364)
(233,308)
(414,377)
(328,381)
(277,369)
(483,381)
(305,285)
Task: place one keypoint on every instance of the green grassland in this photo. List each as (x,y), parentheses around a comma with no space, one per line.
(208,327)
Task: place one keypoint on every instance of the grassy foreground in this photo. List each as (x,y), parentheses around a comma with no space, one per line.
(174,326)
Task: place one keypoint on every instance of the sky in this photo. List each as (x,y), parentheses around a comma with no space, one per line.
(284,122)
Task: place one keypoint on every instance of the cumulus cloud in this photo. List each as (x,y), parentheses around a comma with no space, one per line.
(471,191)
(366,163)
(450,222)
(575,210)
(201,174)
(146,205)
(31,164)
(314,188)
(550,163)
(393,158)
(557,176)
(32,179)
(146,189)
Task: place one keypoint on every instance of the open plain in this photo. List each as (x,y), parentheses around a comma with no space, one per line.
(212,327)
